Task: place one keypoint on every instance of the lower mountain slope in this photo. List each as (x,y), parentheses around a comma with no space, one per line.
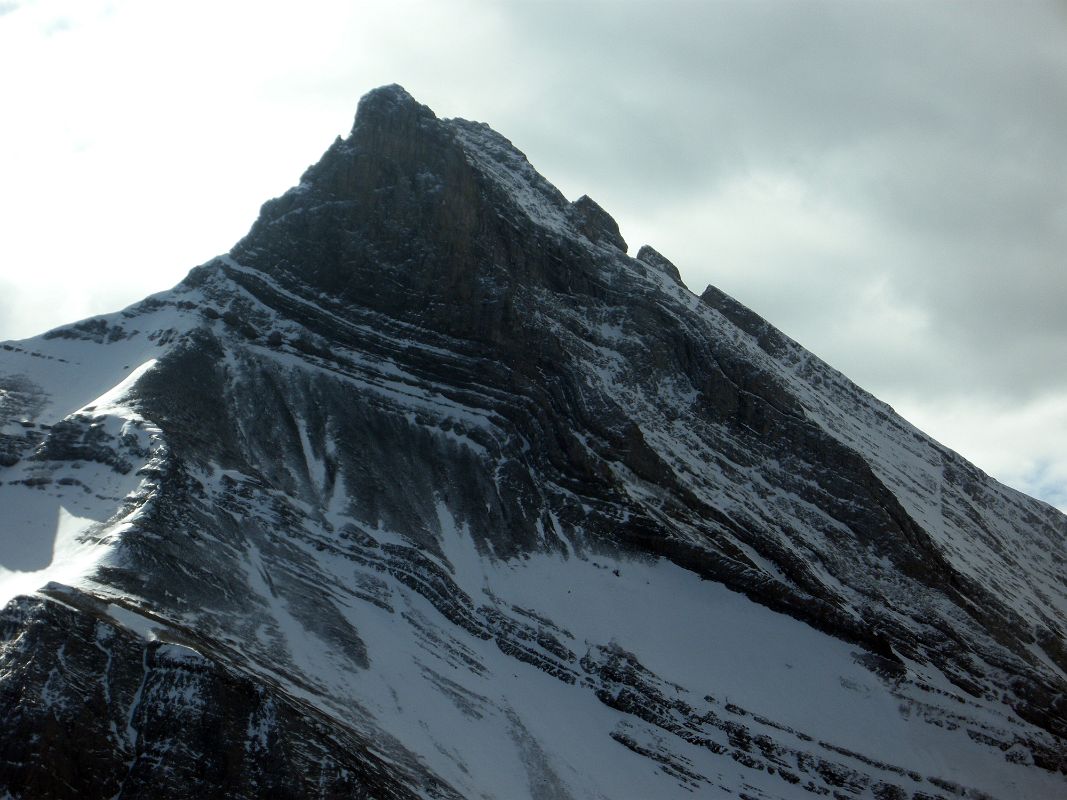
(428,489)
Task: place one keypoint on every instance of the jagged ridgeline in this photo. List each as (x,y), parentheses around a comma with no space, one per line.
(429,489)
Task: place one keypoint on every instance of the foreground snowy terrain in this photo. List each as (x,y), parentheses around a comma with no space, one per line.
(428,489)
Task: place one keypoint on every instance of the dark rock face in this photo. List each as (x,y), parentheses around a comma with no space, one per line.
(91,710)
(424,376)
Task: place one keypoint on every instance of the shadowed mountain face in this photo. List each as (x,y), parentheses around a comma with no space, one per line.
(428,489)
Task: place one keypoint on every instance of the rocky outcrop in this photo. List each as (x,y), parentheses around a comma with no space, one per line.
(93,710)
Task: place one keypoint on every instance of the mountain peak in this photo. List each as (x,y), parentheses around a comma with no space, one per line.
(653,258)
(428,489)
(388,104)
(390,92)
(597,224)
(449,197)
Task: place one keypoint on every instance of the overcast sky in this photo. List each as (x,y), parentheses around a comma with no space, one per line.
(885,182)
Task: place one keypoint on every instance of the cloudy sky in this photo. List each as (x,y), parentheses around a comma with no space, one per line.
(884,181)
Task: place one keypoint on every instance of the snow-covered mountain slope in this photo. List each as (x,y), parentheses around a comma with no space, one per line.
(428,489)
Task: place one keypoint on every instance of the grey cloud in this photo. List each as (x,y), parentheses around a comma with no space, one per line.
(20,311)
(942,126)
(1048,482)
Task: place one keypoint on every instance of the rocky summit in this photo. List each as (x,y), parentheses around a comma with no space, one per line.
(429,489)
